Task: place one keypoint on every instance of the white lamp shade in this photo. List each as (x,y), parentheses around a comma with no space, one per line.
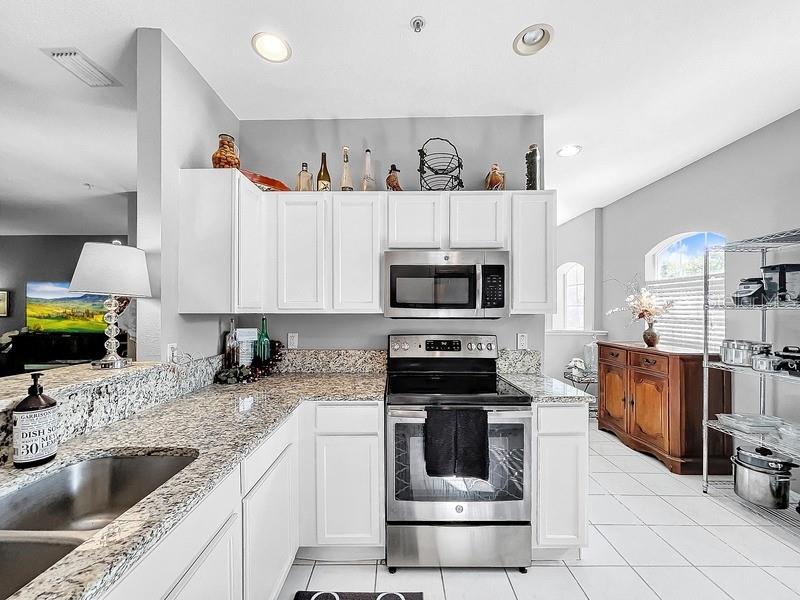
(111,269)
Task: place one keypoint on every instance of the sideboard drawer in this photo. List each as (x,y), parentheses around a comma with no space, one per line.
(651,362)
(614,355)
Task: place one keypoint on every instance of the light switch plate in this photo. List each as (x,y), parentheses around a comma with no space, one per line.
(292,340)
(522,341)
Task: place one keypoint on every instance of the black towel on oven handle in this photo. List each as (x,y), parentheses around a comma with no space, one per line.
(472,443)
(440,442)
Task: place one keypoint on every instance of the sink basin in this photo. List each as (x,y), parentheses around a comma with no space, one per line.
(21,561)
(87,495)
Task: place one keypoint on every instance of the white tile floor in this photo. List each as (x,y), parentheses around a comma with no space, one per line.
(652,535)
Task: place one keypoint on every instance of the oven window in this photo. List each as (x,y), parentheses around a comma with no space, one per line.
(415,286)
(506,468)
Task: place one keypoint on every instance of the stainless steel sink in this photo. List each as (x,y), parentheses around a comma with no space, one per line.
(21,561)
(87,495)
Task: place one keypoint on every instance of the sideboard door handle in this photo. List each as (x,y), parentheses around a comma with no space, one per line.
(614,354)
(649,361)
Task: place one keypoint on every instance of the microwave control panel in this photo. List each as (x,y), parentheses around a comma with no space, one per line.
(493,286)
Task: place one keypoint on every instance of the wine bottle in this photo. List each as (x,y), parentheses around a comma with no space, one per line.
(347,179)
(305,180)
(368,179)
(231,357)
(262,344)
(323,177)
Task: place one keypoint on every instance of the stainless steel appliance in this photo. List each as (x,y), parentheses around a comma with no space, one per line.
(782,282)
(750,292)
(762,477)
(421,284)
(455,521)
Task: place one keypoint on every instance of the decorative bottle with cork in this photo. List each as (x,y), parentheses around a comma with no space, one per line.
(347,178)
(368,179)
(323,177)
(305,180)
(35,428)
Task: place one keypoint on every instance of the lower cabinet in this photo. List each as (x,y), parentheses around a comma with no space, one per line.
(562,475)
(614,404)
(649,410)
(216,574)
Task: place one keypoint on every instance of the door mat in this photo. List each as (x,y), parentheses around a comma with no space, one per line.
(358,596)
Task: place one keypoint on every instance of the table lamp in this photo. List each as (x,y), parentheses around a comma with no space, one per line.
(115,270)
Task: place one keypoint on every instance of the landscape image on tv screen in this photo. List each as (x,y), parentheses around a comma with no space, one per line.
(50,307)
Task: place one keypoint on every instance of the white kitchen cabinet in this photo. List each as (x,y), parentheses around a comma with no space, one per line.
(220,243)
(301,251)
(415,220)
(533,251)
(562,458)
(216,574)
(477,219)
(271,528)
(357,237)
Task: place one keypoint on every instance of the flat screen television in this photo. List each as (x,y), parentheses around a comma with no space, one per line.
(51,308)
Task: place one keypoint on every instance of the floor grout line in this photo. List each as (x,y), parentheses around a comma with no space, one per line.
(511,585)
(310,574)
(576,581)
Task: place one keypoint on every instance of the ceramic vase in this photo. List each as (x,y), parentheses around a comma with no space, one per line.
(650,336)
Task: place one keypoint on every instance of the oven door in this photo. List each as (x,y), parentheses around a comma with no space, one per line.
(414,496)
(423,284)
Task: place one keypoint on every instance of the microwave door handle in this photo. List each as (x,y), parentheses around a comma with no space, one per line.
(478,288)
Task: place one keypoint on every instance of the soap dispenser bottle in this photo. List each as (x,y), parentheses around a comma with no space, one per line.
(35,428)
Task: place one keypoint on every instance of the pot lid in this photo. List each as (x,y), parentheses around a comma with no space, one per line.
(764,457)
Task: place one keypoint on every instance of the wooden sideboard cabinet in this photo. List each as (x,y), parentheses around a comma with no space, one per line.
(652,400)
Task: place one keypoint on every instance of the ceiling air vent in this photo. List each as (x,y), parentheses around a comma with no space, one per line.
(77,63)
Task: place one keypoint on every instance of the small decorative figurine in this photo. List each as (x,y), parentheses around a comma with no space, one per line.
(532,178)
(392,181)
(495,179)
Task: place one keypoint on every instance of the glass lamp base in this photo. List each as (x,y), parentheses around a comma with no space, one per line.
(111,362)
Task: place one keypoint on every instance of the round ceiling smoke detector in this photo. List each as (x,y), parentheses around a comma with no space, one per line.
(417,24)
(532,39)
(271,47)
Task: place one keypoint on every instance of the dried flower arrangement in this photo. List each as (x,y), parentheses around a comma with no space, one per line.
(642,303)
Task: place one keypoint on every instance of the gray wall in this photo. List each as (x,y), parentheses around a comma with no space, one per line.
(179,117)
(26,258)
(277,148)
(745,189)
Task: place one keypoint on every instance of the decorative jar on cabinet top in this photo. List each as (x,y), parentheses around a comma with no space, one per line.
(227,154)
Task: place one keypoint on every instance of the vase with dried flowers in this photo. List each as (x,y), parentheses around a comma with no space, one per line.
(644,305)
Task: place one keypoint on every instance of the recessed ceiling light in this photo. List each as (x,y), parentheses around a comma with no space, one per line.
(271,47)
(417,24)
(569,150)
(532,39)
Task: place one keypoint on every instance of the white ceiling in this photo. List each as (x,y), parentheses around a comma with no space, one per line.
(645,86)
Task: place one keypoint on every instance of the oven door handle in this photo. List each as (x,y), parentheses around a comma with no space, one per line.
(422,413)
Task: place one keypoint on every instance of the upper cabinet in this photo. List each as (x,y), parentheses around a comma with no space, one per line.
(477,219)
(415,220)
(533,251)
(357,238)
(301,251)
(221,243)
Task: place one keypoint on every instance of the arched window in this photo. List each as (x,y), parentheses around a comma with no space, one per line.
(674,271)
(570,297)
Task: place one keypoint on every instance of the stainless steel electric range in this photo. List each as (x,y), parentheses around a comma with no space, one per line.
(455,521)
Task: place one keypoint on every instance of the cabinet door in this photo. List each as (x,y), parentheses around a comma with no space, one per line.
(249,248)
(533,244)
(271,528)
(613,397)
(349,492)
(649,410)
(301,251)
(217,573)
(415,220)
(357,252)
(477,219)
(562,488)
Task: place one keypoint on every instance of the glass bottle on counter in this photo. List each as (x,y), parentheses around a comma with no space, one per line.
(347,179)
(231,357)
(262,344)
(323,177)
(305,181)
(368,179)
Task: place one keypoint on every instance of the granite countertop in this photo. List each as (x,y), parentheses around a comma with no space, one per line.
(220,426)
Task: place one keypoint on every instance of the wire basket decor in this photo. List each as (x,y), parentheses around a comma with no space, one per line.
(439,166)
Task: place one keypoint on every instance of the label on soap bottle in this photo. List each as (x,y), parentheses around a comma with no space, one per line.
(35,434)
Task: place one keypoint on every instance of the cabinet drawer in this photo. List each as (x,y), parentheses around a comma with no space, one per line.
(348,418)
(262,458)
(651,362)
(614,355)
(563,419)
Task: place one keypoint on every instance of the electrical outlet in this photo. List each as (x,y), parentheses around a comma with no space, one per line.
(522,341)
(172,351)
(292,340)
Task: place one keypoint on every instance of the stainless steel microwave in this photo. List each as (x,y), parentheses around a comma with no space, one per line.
(422,284)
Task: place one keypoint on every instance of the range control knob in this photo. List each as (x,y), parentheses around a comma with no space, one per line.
(395,346)
(470,346)
(480,346)
(405,346)
(489,346)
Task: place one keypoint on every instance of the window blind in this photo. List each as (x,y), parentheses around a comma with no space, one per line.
(683,325)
